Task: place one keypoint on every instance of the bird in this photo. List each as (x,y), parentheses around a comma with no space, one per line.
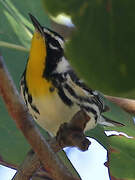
(50,87)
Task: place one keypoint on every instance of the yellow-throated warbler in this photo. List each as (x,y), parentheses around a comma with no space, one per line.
(50,88)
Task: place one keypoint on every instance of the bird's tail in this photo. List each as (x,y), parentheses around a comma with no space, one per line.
(108,122)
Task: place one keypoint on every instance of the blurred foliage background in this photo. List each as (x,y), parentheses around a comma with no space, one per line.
(101,50)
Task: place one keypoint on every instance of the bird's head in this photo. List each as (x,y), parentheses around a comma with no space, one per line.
(48,44)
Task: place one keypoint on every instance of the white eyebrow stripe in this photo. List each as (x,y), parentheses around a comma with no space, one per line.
(47,31)
(52,47)
(61,42)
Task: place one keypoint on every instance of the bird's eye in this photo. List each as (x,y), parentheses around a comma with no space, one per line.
(52,46)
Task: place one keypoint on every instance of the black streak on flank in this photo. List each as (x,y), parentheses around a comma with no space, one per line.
(35,117)
(71,91)
(35,109)
(64,98)
(79,83)
(29,98)
(77,97)
(89,109)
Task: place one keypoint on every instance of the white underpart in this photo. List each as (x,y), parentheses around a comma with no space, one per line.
(52,47)
(61,42)
(53,112)
(62,66)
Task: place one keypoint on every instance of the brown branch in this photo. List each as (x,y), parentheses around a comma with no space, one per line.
(24,121)
(30,165)
(127,105)
(30,168)
(40,177)
(41,173)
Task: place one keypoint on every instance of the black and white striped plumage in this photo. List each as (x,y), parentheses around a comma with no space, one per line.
(67,93)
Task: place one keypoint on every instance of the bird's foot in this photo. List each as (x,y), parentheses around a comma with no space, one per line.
(72,136)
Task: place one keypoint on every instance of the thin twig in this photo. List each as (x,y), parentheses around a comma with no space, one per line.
(24,121)
(126,104)
(13,46)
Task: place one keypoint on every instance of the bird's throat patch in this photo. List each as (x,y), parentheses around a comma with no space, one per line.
(37,84)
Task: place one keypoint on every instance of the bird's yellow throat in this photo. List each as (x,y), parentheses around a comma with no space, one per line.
(37,85)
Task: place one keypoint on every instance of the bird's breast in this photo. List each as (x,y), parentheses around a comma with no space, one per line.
(52,112)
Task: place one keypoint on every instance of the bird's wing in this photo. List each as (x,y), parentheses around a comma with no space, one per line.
(79,90)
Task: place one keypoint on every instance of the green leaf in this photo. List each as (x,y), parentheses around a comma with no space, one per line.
(13,146)
(120,148)
(62,155)
(22,33)
(122,157)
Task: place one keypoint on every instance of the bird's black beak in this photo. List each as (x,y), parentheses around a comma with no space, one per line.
(36,24)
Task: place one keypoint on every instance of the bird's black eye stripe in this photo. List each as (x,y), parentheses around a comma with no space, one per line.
(55,33)
(53,41)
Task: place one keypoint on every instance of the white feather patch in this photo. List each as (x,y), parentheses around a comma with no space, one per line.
(62,66)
